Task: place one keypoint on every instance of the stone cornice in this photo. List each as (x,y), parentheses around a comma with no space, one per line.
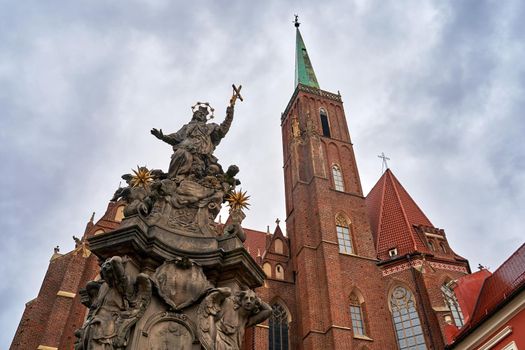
(309,90)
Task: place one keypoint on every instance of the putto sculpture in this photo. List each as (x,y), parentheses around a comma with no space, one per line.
(171,277)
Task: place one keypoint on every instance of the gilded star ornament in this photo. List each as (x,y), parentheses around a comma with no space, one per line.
(238,200)
(141,177)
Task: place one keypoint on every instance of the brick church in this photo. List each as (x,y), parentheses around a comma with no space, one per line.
(353,272)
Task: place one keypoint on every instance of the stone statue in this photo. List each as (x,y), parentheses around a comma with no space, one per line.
(223,317)
(194,143)
(169,231)
(115,304)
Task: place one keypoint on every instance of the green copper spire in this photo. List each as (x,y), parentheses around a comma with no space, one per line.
(304,72)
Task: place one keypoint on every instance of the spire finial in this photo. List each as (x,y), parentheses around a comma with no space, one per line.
(296,21)
(384,165)
(277,221)
(92,217)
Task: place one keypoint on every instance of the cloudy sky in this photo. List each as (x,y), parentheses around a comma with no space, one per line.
(436,85)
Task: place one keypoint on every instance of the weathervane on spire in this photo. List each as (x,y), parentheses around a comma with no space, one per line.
(384,164)
(296,21)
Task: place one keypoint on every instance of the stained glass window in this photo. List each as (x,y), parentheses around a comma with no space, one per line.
(406,320)
(278,330)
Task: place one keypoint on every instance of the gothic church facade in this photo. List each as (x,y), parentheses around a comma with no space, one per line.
(354,271)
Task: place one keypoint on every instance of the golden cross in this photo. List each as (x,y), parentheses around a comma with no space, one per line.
(236,94)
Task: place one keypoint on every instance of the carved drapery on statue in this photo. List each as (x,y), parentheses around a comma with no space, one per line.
(189,196)
(223,317)
(155,297)
(115,305)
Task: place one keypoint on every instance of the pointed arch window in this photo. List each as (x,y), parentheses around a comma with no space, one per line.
(406,320)
(343,235)
(267,268)
(278,246)
(356,314)
(338,178)
(279,272)
(278,338)
(325,125)
(452,303)
(119,215)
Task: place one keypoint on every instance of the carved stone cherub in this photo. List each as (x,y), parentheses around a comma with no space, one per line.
(223,317)
(115,304)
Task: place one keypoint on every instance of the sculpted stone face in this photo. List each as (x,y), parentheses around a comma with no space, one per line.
(249,300)
(200,114)
(106,271)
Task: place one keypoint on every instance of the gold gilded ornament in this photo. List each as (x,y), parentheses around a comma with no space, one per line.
(141,177)
(238,200)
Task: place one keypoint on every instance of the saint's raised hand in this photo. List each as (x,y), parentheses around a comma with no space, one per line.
(157,133)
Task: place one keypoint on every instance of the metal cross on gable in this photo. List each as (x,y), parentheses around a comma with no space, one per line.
(384,164)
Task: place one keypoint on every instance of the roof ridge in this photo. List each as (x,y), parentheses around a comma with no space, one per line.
(401,205)
(381,205)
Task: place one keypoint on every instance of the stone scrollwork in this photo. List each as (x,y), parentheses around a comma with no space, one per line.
(116,303)
(167,331)
(223,317)
(180,283)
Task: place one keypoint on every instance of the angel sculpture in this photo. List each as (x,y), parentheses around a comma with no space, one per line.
(223,317)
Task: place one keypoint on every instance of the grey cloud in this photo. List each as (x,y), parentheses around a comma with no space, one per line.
(438,86)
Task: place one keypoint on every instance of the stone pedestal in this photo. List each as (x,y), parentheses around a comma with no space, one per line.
(186,273)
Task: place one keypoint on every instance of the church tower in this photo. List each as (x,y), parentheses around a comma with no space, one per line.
(327,221)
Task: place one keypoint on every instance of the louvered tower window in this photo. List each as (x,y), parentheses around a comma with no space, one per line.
(356,314)
(406,320)
(325,125)
(343,235)
(278,330)
(452,303)
(338,178)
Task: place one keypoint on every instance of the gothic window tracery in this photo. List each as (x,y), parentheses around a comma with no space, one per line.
(338,178)
(453,305)
(343,235)
(406,320)
(278,338)
(356,314)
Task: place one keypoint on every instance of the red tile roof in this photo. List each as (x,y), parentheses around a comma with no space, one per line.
(393,214)
(255,243)
(508,278)
(497,290)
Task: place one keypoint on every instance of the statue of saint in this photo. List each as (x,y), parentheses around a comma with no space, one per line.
(194,143)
